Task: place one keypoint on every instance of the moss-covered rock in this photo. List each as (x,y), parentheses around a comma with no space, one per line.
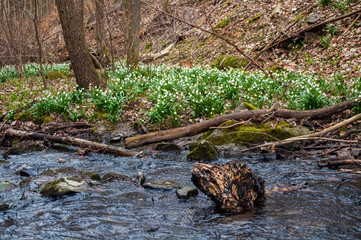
(253,133)
(168,147)
(63,186)
(52,75)
(205,151)
(223,62)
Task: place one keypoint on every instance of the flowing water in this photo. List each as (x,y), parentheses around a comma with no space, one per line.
(120,210)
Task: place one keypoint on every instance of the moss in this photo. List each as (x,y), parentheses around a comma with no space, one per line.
(224,62)
(148,46)
(205,151)
(255,18)
(54,75)
(49,188)
(4,162)
(249,106)
(46,119)
(24,116)
(253,133)
(222,23)
(102,74)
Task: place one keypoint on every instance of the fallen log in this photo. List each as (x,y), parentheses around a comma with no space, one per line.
(204,126)
(93,146)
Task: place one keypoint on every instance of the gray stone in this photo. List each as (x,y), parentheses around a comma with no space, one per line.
(314,18)
(7,186)
(157,185)
(187,192)
(64,186)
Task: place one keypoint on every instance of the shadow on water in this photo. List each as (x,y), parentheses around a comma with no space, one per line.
(119,210)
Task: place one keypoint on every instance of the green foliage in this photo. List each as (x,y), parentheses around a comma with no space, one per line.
(166,93)
(222,23)
(325,42)
(331,30)
(357,107)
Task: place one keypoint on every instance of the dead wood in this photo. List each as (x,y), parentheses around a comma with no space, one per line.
(93,146)
(314,136)
(309,28)
(232,186)
(194,129)
(339,163)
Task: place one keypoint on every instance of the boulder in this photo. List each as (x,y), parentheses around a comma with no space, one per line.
(204,151)
(187,192)
(233,187)
(64,186)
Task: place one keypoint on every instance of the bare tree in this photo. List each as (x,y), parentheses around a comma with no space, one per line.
(35,19)
(71,13)
(100,28)
(132,22)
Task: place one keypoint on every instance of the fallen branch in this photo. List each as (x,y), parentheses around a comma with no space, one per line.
(339,162)
(314,135)
(194,129)
(94,146)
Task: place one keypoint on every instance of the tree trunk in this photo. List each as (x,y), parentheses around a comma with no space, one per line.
(40,48)
(132,21)
(71,15)
(100,28)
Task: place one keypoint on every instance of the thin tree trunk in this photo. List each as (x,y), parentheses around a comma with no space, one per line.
(40,48)
(100,29)
(132,21)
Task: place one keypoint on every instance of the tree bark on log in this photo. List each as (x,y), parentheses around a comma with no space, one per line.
(94,146)
(232,186)
(204,126)
(337,163)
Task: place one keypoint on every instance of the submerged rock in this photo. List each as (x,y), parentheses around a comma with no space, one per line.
(231,132)
(7,186)
(4,207)
(187,192)
(113,176)
(168,147)
(64,186)
(162,185)
(233,187)
(71,172)
(204,151)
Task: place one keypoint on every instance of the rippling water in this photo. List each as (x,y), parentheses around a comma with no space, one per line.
(120,210)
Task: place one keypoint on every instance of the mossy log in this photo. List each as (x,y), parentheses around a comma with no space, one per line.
(94,146)
(233,187)
(204,126)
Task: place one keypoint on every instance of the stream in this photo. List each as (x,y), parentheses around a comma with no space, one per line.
(119,210)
